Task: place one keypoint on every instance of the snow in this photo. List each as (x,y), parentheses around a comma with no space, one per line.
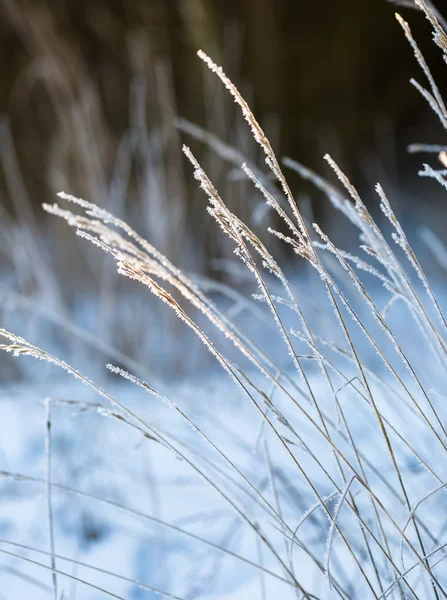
(117,473)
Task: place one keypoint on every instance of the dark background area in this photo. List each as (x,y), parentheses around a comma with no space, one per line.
(322,77)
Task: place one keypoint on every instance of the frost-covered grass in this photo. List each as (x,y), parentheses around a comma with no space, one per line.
(306,460)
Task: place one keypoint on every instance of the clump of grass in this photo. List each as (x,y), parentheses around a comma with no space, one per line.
(352,419)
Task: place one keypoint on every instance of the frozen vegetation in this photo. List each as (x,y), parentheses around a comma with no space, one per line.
(172,436)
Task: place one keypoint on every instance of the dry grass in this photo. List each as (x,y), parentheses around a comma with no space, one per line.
(375,526)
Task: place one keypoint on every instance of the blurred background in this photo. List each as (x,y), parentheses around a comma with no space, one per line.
(323,76)
(97,97)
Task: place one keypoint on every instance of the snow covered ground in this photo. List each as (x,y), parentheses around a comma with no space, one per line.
(324,464)
(120,470)
(119,499)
